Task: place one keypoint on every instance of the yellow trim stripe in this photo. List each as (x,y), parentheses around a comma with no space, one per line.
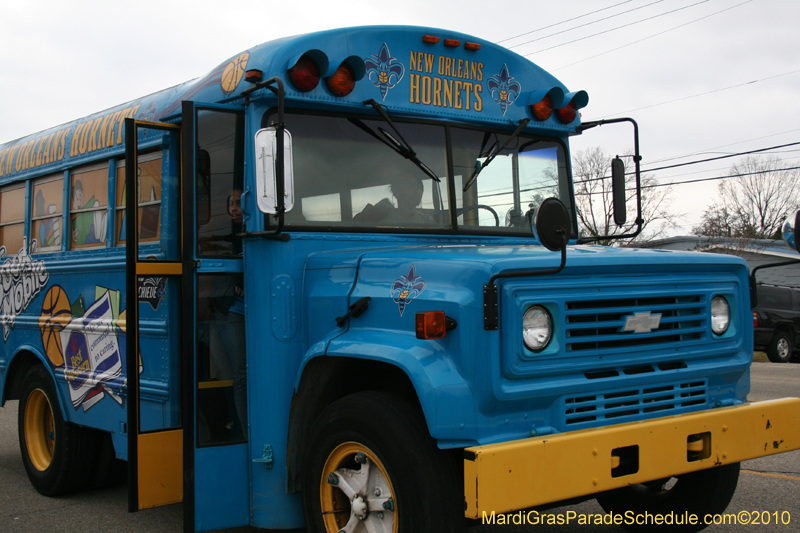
(159,269)
(215,384)
(526,473)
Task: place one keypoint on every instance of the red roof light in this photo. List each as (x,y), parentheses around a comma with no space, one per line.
(567,113)
(304,75)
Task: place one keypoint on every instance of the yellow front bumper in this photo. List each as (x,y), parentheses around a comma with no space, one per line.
(526,473)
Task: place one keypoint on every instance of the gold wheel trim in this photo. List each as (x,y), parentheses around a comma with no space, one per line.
(40,430)
(353,479)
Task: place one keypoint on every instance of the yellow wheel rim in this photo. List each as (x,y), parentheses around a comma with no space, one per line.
(355,489)
(40,430)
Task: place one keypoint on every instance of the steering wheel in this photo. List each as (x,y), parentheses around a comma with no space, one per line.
(479,206)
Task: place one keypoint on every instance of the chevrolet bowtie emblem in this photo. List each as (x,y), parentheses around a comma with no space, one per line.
(642,322)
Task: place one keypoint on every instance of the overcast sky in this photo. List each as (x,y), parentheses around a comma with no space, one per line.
(703,77)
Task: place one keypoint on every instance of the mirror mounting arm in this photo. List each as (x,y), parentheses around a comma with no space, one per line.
(275,85)
(552,228)
(491,319)
(637,158)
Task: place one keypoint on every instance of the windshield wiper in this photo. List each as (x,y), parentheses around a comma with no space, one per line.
(400,146)
(493,151)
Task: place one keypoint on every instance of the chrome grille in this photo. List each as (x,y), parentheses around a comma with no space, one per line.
(599,324)
(619,406)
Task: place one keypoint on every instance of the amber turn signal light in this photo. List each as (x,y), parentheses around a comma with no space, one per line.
(343,80)
(543,109)
(433,325)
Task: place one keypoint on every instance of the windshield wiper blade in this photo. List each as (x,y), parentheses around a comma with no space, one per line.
(400,146)
(493,151)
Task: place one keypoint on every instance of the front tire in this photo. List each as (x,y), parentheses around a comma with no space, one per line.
(780,348)
(698,493)
(372,466)
(57,454)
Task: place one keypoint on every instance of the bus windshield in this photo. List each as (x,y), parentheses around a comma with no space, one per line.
(345,175)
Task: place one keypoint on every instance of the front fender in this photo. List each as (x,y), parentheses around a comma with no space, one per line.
(445,397)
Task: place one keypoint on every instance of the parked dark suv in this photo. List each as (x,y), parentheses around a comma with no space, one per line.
(776,320)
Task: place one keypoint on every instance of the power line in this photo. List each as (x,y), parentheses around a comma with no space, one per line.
(719,157)
(563,22)
(703,94)
(697,162)
(780,159)
(715,178)
(719,177)
(584,25)
(649,37)
(706,150)
(618,27)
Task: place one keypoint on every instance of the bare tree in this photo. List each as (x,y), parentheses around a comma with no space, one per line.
(591,170)
(754,201)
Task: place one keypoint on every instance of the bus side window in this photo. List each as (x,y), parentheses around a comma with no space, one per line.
(12,219)
(148,186)
(88,197)
(219,178)
(46,209)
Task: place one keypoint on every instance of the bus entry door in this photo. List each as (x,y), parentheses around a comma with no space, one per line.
(217,452)
(151,226)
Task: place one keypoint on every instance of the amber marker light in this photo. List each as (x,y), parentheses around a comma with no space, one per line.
(304,75)
(343,80)
(543,109)
(253,76)
(452,42)
(430,39)
(472,46)
(431,325)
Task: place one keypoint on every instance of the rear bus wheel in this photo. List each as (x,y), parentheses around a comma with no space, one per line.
(57,455)
(371,466)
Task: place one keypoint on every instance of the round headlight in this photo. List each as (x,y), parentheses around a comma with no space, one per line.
(537,328)
(720,315)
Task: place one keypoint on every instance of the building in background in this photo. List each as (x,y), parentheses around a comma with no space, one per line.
(756,252)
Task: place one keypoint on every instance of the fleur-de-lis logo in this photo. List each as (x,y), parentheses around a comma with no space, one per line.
(503,88)
(406,288)
(384,71)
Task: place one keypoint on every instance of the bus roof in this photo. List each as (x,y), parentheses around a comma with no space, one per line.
(412,71)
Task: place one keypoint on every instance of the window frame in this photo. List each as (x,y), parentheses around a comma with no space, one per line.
(74,174)
(50,178)
(21,185)
(119,206)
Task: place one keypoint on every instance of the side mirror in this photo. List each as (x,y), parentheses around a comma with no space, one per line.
(551,224)
(266,145)
(789,230)
(618,191)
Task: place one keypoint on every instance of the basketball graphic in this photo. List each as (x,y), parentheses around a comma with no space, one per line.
(56,314)
(233,73)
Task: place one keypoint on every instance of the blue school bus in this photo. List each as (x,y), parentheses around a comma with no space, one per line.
(346,291)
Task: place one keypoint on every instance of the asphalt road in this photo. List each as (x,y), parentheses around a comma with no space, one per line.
(771,484)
